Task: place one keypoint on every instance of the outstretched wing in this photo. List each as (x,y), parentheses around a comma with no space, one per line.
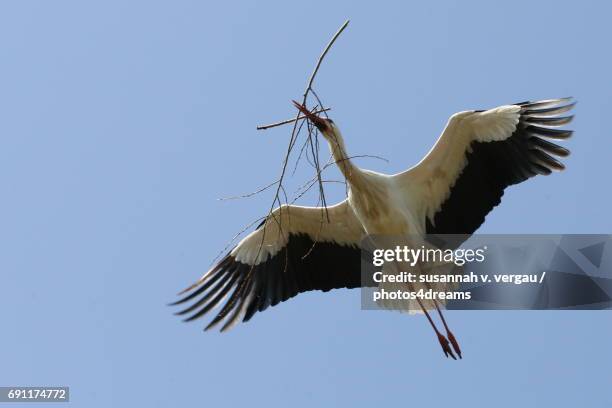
(478,155)
(296,249)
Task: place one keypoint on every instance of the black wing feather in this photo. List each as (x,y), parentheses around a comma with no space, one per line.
(301,266)
(493,166)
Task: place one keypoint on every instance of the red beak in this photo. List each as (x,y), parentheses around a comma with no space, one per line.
(321,124)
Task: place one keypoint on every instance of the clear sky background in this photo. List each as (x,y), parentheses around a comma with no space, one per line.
(122,123)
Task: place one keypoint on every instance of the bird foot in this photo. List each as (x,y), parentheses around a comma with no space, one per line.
(445,346)
(454,343)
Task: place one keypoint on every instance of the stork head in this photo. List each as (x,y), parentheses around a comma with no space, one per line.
(325,126)
(336,145)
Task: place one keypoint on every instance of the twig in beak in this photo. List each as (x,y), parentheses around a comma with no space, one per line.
(321,124)
(284,122)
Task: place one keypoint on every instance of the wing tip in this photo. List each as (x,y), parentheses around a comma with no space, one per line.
(542,103)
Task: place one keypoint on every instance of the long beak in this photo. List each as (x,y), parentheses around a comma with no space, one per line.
(321,124)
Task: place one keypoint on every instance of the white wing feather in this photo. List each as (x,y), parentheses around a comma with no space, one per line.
(338,225)
(431,180)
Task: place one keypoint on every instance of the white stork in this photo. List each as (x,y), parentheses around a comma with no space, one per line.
(298,249)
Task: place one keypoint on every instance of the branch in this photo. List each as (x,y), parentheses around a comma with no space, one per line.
(311,80)
(293,138)
(309,89)
(325,51)
(279,183)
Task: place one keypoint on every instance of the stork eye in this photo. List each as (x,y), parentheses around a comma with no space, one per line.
(330,121)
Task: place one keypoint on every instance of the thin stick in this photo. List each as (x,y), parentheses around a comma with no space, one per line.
(261,190)
(284,122)
(325,51)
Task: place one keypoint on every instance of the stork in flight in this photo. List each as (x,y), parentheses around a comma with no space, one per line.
(298,249)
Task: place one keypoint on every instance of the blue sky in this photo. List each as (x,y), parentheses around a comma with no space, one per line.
(124,122)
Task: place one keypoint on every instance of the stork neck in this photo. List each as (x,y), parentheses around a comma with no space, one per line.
(352,173)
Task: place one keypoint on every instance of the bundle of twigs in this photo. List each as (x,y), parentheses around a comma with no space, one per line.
(309,149)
